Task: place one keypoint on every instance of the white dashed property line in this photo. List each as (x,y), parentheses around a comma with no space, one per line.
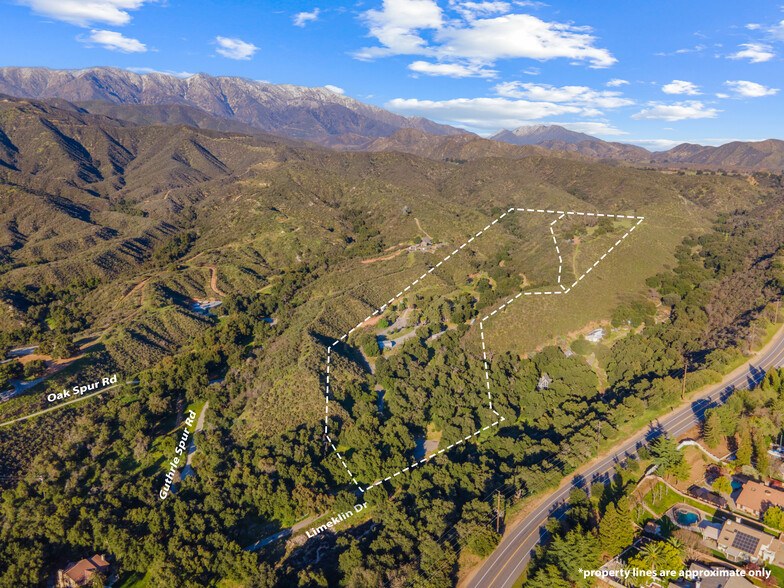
(481,327)
(507,303)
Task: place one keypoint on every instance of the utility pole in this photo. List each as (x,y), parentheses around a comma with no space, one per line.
(498,512)
(751,345)
(685,371)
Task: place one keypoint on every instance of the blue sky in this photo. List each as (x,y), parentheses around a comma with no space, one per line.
(652,73)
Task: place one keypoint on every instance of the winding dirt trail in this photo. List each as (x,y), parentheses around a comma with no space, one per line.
(385,258)
(214,281)
(133,290)
(423,230)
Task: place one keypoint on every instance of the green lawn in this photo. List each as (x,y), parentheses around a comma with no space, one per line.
(670,498)
(132,580)
(667,500)
(777,573)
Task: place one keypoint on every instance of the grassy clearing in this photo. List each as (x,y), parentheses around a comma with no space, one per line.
(619,277)
(133,580)
(34,398)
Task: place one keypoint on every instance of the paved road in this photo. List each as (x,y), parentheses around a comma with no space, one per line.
(284,533)
(62,404)
(188,469)
(510,558)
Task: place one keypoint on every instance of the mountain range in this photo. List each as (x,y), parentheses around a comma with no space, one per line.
(535,134)
(326,117)
(313,114)
(756,155)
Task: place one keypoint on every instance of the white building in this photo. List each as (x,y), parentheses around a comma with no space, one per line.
(595,336)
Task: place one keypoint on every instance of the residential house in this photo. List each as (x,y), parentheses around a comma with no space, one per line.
(716,577)
(81,573)
(742,543)
(710,530)
(595,336)
(544,382)
(707,496)
(756,498)
(385,344)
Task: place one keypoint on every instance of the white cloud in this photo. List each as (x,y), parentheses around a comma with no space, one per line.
(582,95)
(690,109)
(481,113)
(777,30)
(472,34)
(722,95)
(592,128)
(616,82)
(656,144)
(750,89)
(112,41)
(146,70)
(753,26)
(472,10)
(664,144)
(303,18)
(234,48)
(681,87)
(595,112)
(754,52)
(523,36)
(335,89)
(397,26)
(85,12)
(695,49)
(452,70)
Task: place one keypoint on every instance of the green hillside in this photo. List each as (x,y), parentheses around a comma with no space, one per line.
(256,210)
(115,233)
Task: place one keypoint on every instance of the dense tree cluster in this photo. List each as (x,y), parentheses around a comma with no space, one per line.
(174,248)
(752,419)
(49,315)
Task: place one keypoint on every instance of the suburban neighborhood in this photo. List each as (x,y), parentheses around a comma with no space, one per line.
(707,511)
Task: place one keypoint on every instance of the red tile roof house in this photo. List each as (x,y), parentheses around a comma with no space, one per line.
(81,573)
(756,498)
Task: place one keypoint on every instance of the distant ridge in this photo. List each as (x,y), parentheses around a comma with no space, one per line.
(315,114)
(459,148)
(320,115)
(757,155)
(738,155)
(536,134)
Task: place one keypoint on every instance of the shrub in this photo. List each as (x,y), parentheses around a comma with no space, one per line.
(35,368)
(581,346)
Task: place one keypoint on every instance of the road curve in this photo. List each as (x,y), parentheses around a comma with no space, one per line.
(511,556)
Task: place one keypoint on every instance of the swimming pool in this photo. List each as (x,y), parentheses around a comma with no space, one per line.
(686,518)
